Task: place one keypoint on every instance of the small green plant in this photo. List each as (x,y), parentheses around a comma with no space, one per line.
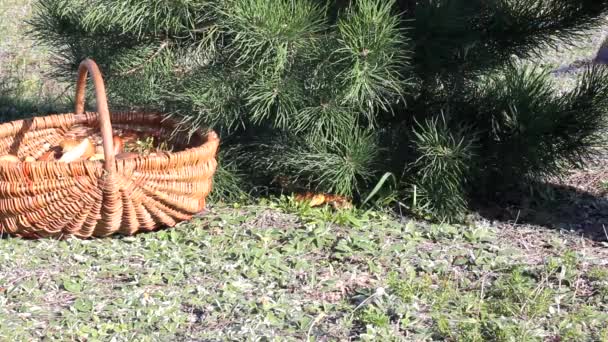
(409,285)
(144,146)
(147,145)
(518,292)
(374,316)
(598,273)
(383,191)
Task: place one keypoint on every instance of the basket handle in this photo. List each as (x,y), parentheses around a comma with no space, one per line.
(89,66)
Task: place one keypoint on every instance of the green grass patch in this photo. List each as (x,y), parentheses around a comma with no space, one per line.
(284,271)
(26,88)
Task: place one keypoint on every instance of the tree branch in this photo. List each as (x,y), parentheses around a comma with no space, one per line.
(141,66)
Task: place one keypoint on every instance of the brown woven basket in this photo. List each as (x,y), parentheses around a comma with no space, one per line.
(100,198)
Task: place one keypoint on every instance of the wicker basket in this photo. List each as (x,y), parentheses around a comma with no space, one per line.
(100,198)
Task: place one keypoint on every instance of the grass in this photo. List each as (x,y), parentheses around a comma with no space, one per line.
(282,271)
(25,89)
(563,56)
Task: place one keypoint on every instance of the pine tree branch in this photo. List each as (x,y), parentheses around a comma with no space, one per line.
(142,65)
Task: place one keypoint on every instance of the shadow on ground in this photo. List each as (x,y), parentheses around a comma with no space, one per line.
(14,106)
(18,101)
(563,207)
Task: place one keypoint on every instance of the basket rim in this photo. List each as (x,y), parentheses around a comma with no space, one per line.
(210,142)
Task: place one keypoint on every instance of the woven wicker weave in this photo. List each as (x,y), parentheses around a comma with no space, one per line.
(99,198)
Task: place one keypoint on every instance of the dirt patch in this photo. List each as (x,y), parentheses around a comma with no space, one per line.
(273,219)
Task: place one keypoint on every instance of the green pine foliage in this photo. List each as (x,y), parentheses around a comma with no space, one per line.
(441,170)
(331,95)
(531,132)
